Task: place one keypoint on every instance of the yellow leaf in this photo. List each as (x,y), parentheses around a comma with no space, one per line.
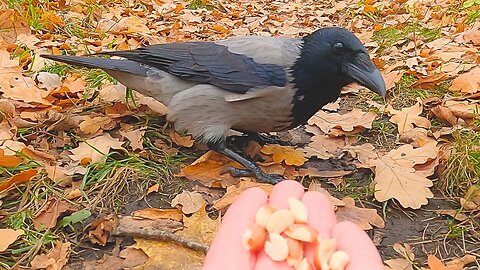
(280,153)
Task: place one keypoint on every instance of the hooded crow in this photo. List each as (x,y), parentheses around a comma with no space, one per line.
(252,84)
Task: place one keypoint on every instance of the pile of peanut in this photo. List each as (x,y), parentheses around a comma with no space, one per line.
(283,234)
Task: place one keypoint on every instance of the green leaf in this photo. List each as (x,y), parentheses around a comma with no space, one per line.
(74,218)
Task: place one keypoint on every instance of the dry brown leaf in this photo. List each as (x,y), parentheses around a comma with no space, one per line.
(135,137)
(156,213)
(417,137)
(208,169)
(407,117)
(396,178)
(7,237)
(49,81)
(365,153)
(392,78)
(55,259)
(190,202)
(95,149)
(288,154)
(347,122)
(133,257)
(153,188)
(184,141)
(363,217)
(468,82)
(234,191)
(459,263)
(47,217)
(324,146)
(445,115)
(93,124)
(100,229)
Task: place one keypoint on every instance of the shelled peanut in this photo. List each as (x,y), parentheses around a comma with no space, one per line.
(283,233)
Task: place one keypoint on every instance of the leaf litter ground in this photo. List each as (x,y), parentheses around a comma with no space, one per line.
(90,171)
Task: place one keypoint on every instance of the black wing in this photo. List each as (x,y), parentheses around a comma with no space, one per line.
(207,62)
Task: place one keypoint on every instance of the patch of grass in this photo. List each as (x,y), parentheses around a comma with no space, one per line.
(386,37)
(95,78)
(57,68)
(356,188)
(383,134)
(198,4)
(462,169)
(30,10)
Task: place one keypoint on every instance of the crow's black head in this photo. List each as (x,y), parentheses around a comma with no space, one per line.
(330,59)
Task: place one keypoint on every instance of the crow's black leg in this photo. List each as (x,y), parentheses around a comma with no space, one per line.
(251,169)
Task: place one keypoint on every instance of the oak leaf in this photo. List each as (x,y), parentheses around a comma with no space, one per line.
(47,217)
(208,169)
(407,117)
(190,202)
(235,190)
(184,141)
(55,259)
(93,124)
(395,176)
(363,217)
(289,154)
(135,137)
(95,149)
(346,122)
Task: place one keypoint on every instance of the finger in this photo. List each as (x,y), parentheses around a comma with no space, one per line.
(321,216)
(354,241)
(279,199)
(226,251)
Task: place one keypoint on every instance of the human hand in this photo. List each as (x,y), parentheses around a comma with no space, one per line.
(228,253)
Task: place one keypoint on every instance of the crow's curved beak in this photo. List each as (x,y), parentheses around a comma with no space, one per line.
(364,72)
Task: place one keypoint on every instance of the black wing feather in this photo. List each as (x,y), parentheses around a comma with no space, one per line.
(207,62)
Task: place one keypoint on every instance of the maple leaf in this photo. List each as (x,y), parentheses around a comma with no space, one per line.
(346,122)
(280,153)
(363,217)
(407,117)
(95,149)
(468,82)
(190,201)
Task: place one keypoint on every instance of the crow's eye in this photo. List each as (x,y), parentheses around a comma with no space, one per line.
(338,48)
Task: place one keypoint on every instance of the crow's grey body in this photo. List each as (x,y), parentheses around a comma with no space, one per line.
(255,84)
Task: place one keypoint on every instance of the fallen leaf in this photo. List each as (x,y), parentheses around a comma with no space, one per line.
(280,153)
(363,217)
(208,169)
(417,137)
(234,191)
(346,122)
(8,236)
(445,115)
(468,82)
(18,179)
(47,217)
(435,263)
(55,259)
(314,172)
(396,178)
(407,117)
(392,78)
(92,125)
(49,81)
(133,257)
(9,161)
(190,202)
(135,137)
(184,141)
(100,229)
(153,188)
(459,263)
(95,149)
(324,146)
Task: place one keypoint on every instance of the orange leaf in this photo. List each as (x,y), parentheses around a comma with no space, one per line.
(7,237)
(290,155)
(435,263)
(9,161)
(20,178)
(185,141)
